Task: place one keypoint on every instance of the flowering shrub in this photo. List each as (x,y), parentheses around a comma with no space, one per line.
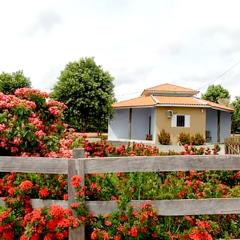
(48,223)
(104,149)
(8,223)
(192,150)
(126,222)
(32,125)
(130,223)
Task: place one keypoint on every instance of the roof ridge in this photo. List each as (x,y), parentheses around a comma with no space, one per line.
(154,99)
(169,84)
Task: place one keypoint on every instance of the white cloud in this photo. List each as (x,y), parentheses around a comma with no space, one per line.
(141,43)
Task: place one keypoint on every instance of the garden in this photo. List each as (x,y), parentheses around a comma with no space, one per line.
(32,125)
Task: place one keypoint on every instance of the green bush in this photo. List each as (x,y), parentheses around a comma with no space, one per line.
(198,139)
(164,138)
(184,138)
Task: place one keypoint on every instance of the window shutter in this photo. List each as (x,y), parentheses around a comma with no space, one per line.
(174,120)
(187,121)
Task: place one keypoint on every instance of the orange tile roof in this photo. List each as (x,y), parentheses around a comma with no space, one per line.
(179,100)
(220,106)
(142,101)
(150,101)
(170,88)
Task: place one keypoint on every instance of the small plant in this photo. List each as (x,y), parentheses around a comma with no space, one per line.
(149,137)
(164,138)
(184,138)
(198,139)
(103,137)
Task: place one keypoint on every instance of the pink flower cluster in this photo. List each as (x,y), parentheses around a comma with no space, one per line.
(36,121)
(28,92)
(11,101)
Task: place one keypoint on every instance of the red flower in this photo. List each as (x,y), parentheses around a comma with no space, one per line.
(43,192)
(23,237)
(54,111)
(65,197)
(48,237)
(26,185)
(116,238)
(11,191)
(76,180)
(197,234)
(105,236)
(59,235)
(75,205)
(133,232)
(154,235)
(94,235)
(51,225)
(203,224)
(56,211)
(108,223)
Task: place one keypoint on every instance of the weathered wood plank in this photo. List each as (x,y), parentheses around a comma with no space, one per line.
(76,167)
(34,165)
(122,164)
(162,163)
(179,207)
(40,203)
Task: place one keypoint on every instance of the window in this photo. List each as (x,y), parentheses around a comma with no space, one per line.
(180,121)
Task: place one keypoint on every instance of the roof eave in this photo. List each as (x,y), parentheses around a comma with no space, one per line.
(144,106)
(222,109)
(193,106)
(181,105)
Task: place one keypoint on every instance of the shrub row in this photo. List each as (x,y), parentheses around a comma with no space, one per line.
(183,138)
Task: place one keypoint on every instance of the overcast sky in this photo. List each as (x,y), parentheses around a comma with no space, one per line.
(142,43)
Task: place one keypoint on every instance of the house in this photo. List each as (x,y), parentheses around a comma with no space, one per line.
(173,108)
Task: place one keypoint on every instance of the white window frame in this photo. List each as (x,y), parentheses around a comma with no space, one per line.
(186,120)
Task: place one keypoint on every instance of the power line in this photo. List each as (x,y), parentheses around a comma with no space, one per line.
(221,75)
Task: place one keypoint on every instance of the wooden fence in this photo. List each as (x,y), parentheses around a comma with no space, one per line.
(81,166)
(232,145)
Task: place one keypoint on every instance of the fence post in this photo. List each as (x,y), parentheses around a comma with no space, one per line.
(75,167)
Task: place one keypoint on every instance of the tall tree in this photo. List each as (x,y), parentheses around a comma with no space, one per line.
(87,90)
(215,93)
(9,82)
(236,115)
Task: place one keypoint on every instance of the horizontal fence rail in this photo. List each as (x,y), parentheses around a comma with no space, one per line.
(122,164)
(179,207)
(81,166)
(34,165)
(161,163)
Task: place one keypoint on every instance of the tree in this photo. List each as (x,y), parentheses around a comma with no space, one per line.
(9,82)
(215,93)
(87,90)
(236,115)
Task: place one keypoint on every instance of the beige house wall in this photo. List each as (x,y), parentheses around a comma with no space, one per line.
(197,121)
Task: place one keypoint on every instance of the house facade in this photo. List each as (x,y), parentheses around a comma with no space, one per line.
(172,108)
